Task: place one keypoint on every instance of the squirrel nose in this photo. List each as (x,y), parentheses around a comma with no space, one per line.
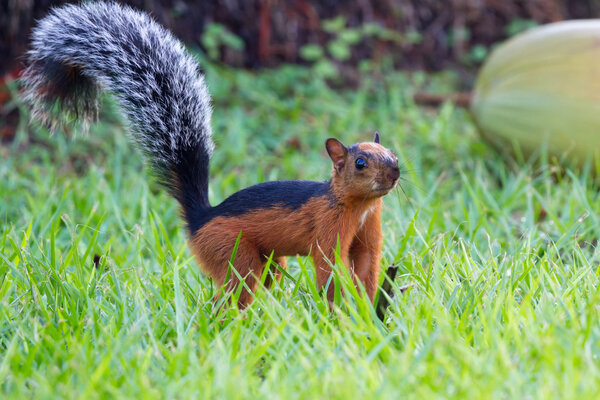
(394,173)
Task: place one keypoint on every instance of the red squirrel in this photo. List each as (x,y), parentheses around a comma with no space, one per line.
(80,50)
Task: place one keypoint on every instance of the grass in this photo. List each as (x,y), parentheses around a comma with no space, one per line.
(502,259)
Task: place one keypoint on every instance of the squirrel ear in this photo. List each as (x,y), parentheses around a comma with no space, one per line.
(376,138)
(337,152)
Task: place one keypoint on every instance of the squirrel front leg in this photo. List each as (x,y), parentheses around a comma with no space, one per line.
(323,257)
(323,273)
(365,252)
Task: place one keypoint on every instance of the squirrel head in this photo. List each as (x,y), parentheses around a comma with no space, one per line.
(364,170)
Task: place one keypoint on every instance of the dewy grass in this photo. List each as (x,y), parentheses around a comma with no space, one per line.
(99,296)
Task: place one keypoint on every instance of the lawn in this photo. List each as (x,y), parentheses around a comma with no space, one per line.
(100,297)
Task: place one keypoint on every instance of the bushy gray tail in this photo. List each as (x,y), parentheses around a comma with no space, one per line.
(79,50)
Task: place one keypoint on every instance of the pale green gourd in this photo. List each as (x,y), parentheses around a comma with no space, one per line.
(543,87)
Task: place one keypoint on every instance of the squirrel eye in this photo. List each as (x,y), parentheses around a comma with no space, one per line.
(360,163)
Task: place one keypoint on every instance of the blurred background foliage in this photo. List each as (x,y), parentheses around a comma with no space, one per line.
(427,34)
(340,41)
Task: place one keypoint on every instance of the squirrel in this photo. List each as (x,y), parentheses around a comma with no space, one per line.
(79,50)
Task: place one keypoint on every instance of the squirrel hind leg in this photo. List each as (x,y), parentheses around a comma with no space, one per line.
(248,264)
(276,274)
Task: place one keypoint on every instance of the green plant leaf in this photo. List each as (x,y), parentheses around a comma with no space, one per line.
(325,69)
(350,36)
(311,52)
(334,25)
(339,50)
